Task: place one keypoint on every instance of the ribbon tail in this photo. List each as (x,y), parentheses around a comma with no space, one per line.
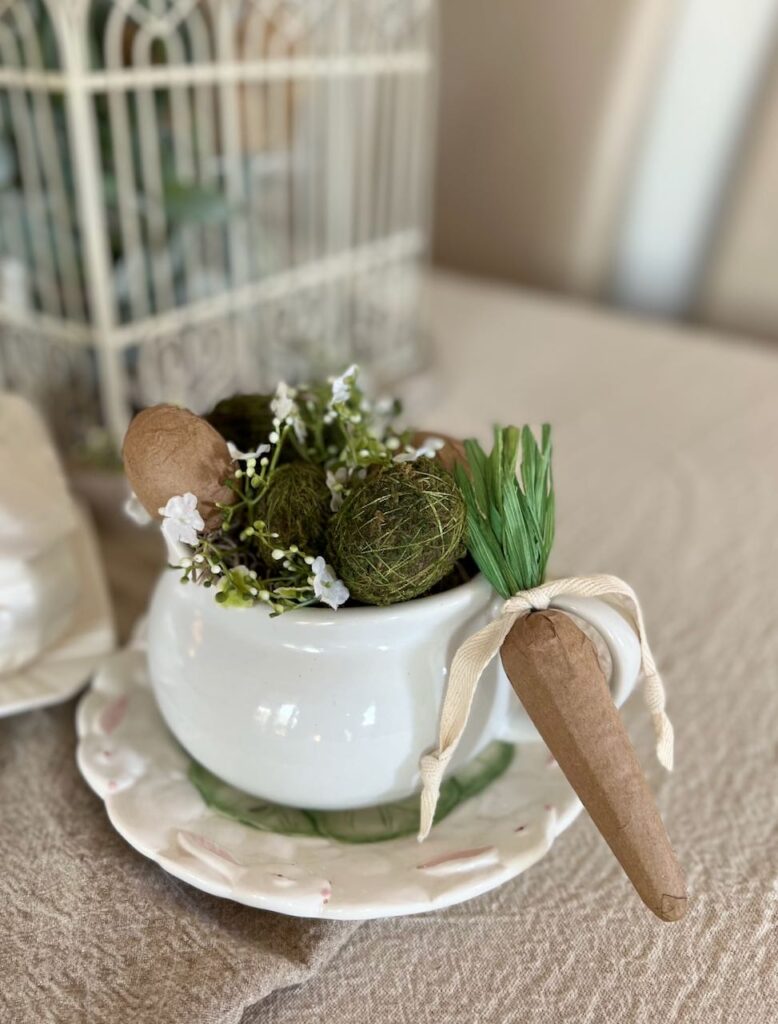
(654,691)
(665,740)
(469,663)
(432,768)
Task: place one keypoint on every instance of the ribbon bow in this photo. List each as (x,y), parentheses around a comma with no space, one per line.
(478,650)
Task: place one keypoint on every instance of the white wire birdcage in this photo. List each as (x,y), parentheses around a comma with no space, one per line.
(202,196)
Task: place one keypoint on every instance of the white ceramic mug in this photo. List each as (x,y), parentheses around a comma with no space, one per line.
(332,709)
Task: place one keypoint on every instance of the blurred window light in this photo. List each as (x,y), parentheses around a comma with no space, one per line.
(716,56)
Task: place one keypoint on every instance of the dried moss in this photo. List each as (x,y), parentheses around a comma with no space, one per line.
(246,420)
(297,507)
(398,533)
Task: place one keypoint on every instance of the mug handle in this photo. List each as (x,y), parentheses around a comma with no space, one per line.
(623,646)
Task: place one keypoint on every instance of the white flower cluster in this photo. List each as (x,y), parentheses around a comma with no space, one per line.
(285,410)
(341,395)
(181,524)
(238,456)
(359,436)
(326,586)
(336,481)
(426,450)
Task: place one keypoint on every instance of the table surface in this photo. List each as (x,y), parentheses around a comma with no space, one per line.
(666,450)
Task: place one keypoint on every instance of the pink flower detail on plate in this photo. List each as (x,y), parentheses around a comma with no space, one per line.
(112,715)
(445,858)
(207,845)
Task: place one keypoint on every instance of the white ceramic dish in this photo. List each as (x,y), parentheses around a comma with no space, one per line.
(333,709)
(62,668)
(38,601)
(130,759)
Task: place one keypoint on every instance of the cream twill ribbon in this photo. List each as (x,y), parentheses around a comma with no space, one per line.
(478,650)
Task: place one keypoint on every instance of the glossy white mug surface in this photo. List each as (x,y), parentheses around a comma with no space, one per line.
(332,709)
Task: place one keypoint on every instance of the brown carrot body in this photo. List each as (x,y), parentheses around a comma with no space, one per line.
(554,669)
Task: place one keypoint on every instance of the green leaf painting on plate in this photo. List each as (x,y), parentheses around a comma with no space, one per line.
(365,825)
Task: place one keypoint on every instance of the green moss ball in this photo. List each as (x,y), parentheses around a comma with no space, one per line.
(296,506)
(398,533)
(246,420)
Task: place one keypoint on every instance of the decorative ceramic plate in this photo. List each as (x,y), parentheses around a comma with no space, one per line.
(61,670)
(499,817)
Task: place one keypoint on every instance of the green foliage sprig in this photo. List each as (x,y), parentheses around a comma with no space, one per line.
(326,424)
(510,519)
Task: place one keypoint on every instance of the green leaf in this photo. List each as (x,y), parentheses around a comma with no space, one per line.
(510,518)
(510,451)
(364,825)
(477,461)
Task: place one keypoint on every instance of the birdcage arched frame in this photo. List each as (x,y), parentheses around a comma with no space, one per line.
(202,196)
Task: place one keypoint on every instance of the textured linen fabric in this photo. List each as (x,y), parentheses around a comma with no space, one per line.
(667,475)
(91,932)
(666,458)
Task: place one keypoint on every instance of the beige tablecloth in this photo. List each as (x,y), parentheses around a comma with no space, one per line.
(667,475)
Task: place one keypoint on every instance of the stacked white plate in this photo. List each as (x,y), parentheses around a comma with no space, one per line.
(55,616)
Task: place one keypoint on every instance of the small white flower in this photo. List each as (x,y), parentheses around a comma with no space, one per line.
(336,482)
(237,455)
(136,511)
(181,522)
(326,586)
(427,450)
(283,404)
(299,428)
(341,386)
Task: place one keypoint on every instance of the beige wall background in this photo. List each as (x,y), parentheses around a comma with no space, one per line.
(541,108)
(740,287)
